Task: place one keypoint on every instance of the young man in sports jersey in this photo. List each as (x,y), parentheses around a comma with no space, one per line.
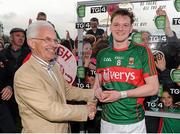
(126,73)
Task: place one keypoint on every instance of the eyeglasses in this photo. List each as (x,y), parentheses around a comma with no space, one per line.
(48,40)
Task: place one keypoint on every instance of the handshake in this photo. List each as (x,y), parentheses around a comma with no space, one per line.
(106,96)
(92,110)
(109,95)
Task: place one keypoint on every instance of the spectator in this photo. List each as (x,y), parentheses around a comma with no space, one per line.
(145,37)
(98,46)
(15,54)
(172,45)
(170,50)
(7,124)
(165,61)
(41,16)
(68,42)
(88,61)
(169,125)
(97,32)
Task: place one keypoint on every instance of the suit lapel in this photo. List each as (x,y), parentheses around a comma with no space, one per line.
(56,85)
(43,72)
(60,81)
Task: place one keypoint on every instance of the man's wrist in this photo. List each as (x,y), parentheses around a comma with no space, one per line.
(123,94)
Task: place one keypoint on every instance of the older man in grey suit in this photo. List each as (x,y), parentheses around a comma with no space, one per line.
(41,91)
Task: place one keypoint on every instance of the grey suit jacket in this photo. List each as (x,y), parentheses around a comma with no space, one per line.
(42,101)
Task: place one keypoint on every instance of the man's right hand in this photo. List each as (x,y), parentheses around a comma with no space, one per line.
(92,111)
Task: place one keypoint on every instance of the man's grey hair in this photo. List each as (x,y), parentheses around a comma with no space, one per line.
(32,29)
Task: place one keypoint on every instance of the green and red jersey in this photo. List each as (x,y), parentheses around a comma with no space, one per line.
(124,70)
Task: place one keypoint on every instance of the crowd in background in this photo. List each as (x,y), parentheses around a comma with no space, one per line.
(15,51)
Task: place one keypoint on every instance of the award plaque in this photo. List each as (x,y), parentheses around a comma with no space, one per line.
(177,5)
(81,72)
(81,11)
(175,75)
(137,37)
(160,22)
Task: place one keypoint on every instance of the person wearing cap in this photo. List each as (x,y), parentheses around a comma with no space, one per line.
(14,54)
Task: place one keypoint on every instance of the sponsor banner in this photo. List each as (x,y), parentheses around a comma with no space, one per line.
(160,22)
(101,9)
(120,74)
(68,64)
(176,21)
(177,5)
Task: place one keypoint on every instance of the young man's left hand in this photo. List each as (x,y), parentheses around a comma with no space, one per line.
(110,96)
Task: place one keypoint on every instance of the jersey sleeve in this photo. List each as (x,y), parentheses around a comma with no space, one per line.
(148,63)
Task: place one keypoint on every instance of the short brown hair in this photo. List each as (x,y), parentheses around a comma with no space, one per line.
(41,14)
(123,12)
